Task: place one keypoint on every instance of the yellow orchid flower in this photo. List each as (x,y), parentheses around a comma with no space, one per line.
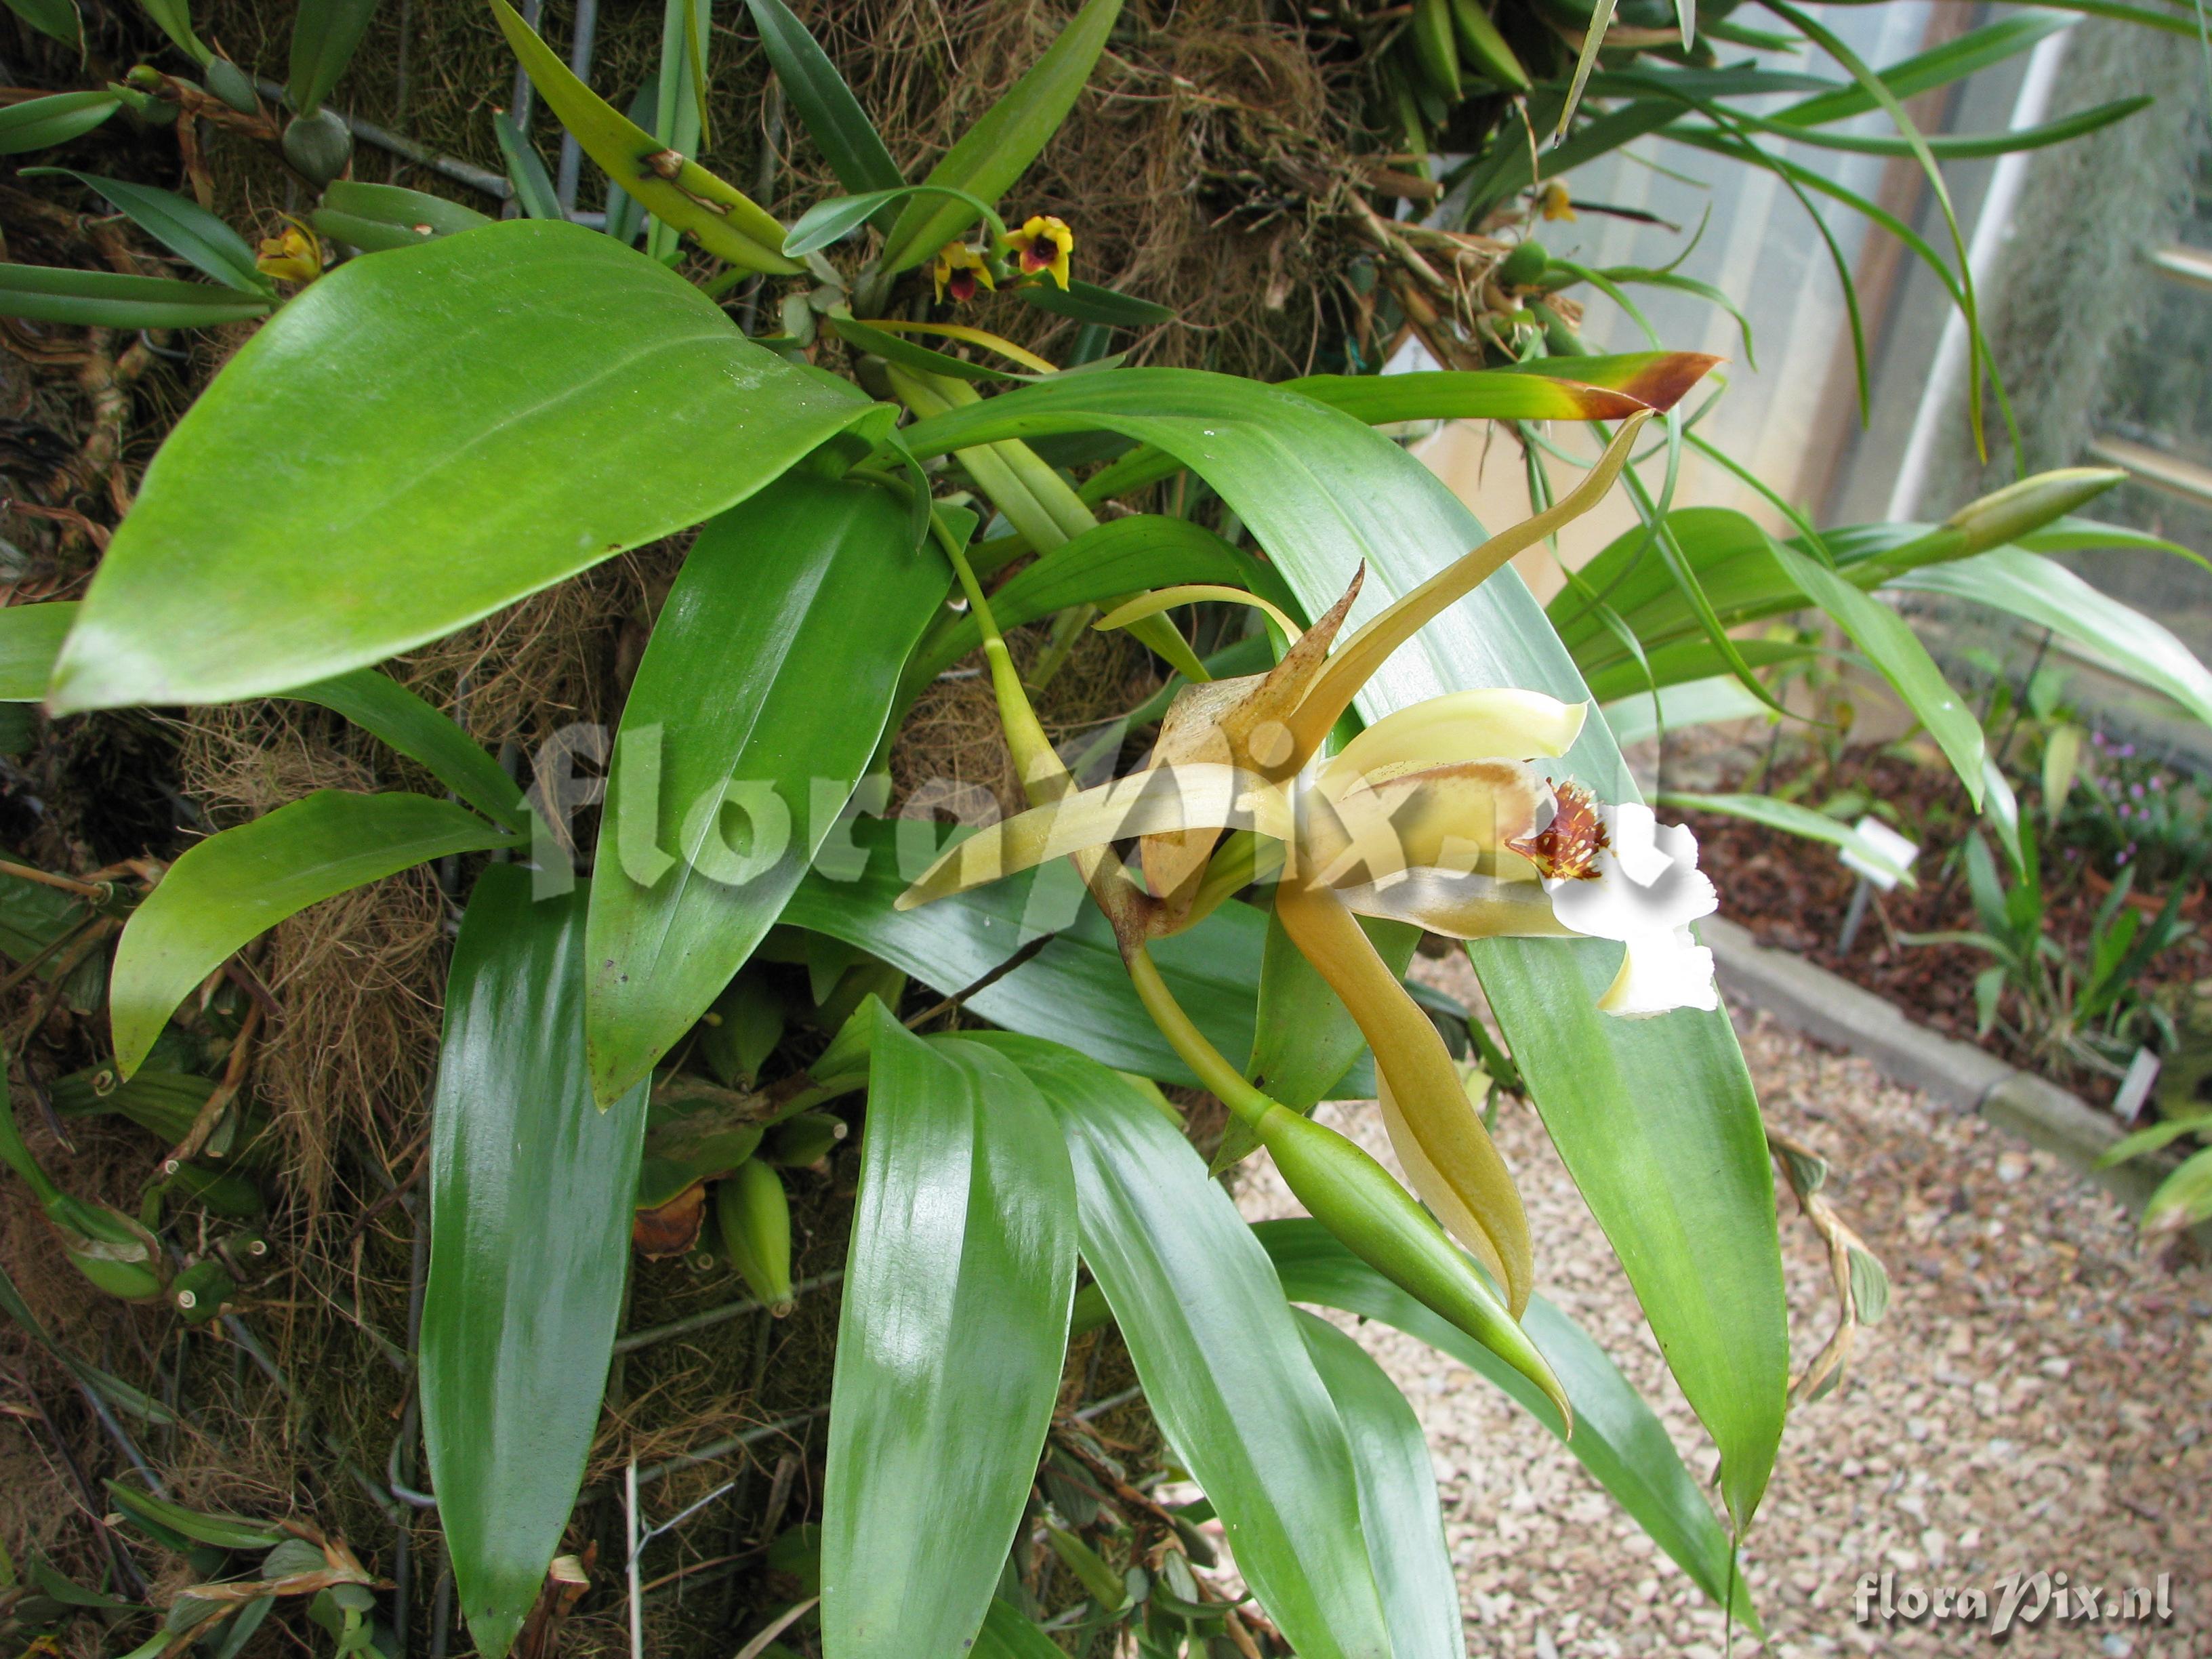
(1556,203)
(959,269)
(1042,243)
(295,256)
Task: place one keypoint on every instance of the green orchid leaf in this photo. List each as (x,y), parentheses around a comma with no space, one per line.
(1682,662)
(1617,1437)
(1127,554)
(530,1186)
(2184,1198)
(235,886)
(185,228)
(534,192)
(1889,642)
(1398,1512)
(1087,302)
(1977,49)
(824,104)
(951,1335)
(1561,389)
(2042,591)
(793,614)
(721,218)
(1223,1370)
(174,19)
(1677,1177)
(387,710)
(326,34)
(1789,818)
(1008,1634)
(836,217)
(132,1401)
(377,218)
(107,299)
(30,639)
(56,18)
(616,405)
(996,151)
(41,123)
(225,1532)
(1075,989)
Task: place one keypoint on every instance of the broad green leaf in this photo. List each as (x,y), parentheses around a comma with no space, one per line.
(185,228)
(30,639)
(1398,1512)
(1617,1437)
(1677,1175)
(2040,591)
(1890,643)
(57,18)
(107,299)
(722,219)
(387,710)
(912,354)
(761,698)
(1075,990)
(530,1186)
(1789,818)
(39,122)
(235,886)
(998,150)
(1223,1368)
(1692,703)
(824,104)
(836,217)
(313,512)
(376,218)
(1087,302)
(325,34)
(949,1342)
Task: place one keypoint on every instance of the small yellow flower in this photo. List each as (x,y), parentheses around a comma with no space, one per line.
(294,256)
(958,268)
(1556,202)
(1043,243)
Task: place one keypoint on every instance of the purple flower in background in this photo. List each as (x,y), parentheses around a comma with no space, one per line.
(2125,751)
(2135,792)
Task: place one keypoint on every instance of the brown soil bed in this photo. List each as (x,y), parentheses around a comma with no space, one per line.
(1793,893)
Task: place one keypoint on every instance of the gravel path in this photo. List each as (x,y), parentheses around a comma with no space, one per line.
(2037,1398)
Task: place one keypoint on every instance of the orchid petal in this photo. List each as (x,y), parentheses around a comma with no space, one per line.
(1461,726)
(1461,905)
(1661,970)
(1455,818)
(1457,1153)
(1166,799)
(1366,651)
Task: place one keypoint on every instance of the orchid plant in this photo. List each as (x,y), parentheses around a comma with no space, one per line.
(1391,739)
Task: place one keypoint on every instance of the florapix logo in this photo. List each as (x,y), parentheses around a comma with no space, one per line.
(2014,1601)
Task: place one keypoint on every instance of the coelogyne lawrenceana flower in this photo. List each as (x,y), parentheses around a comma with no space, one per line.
(1438,814)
